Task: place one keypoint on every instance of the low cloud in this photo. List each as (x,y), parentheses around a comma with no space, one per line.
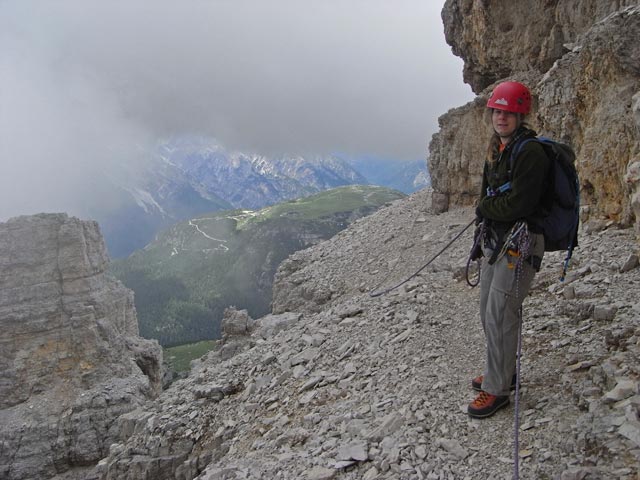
(85,84)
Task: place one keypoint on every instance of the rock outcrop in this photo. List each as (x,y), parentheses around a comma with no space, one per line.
(582,61)
(71,359)
(495,39)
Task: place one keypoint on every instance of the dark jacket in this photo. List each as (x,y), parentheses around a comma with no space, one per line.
(529,184)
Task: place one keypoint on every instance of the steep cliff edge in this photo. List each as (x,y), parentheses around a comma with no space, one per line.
(582,61)
(72,360)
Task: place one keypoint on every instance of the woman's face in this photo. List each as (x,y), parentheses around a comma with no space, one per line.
(504,123)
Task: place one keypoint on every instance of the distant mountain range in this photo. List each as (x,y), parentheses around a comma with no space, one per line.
(187,276)
(255,181)
(406,176)
(188,176)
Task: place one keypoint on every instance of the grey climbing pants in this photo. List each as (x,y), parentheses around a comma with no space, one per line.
(503,288)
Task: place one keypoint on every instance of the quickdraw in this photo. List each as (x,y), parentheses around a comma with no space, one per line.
(517,238)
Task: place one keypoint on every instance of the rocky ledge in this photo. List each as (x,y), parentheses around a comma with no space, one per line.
(340,385)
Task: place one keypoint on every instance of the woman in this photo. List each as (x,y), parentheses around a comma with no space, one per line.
(512,197)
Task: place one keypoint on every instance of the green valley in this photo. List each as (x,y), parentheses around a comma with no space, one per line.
(191,272)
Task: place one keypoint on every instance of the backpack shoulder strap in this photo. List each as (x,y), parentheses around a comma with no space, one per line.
(517,148)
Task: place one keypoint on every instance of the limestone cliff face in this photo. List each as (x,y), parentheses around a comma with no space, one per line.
(582,62)
(497,39)
(71,358)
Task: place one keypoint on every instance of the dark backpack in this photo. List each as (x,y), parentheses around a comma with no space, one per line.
(560,224)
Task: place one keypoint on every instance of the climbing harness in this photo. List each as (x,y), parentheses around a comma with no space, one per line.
(374,294)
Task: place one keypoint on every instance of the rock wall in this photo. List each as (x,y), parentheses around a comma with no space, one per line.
(582,62)
(496,40)
(71,358)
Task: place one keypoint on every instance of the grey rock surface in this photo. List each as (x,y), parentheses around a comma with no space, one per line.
(477,31)
(71,359)
(389,376)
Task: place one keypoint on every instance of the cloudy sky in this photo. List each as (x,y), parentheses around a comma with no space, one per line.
(84,83)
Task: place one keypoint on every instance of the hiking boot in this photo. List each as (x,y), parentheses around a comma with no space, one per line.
(476,383)
(486,405)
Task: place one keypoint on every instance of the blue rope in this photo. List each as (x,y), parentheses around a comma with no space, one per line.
(516,433)
(521,241)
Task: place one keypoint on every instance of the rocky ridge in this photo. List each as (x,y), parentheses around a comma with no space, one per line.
(71,358)
(337,384)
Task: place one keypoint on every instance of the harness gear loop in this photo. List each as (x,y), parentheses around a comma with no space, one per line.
(374,294)
(513,239)
(467,269)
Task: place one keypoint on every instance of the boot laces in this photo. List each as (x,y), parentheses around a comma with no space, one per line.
(483,399)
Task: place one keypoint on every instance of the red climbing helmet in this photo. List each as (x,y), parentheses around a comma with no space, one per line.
(512,97)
